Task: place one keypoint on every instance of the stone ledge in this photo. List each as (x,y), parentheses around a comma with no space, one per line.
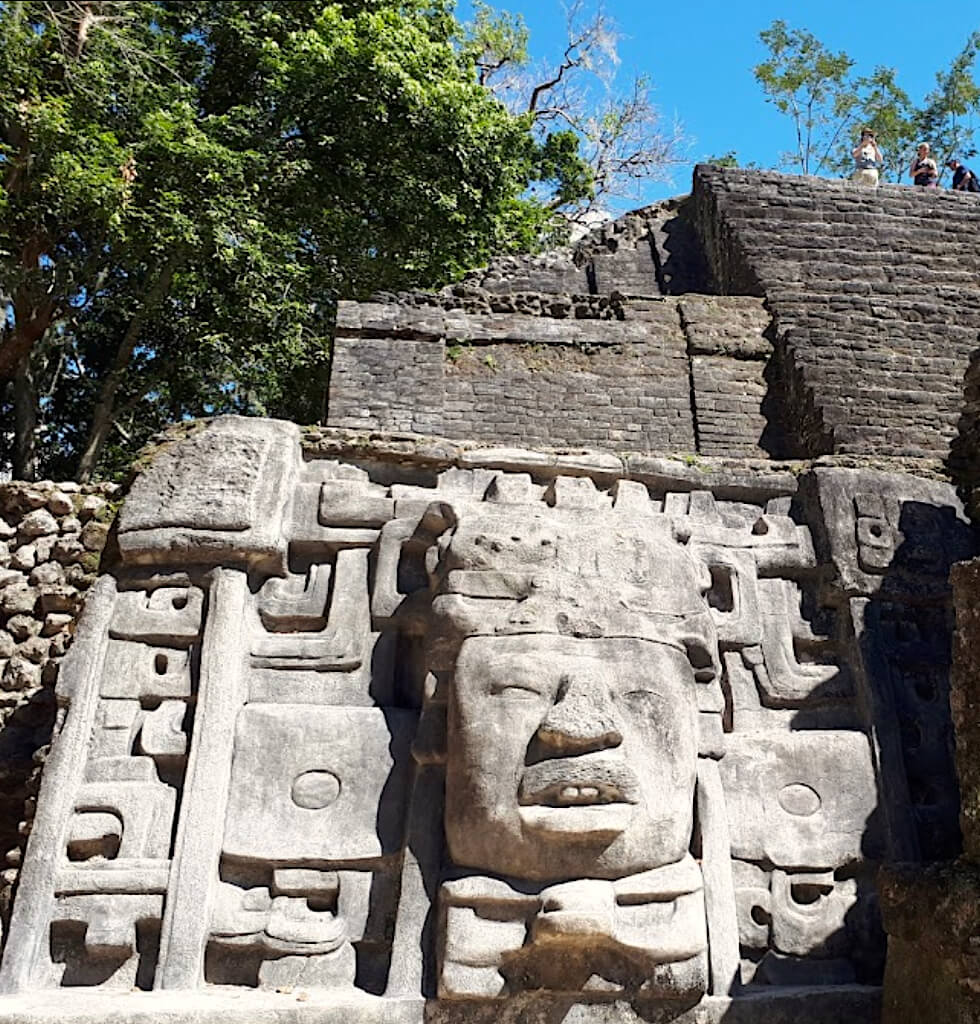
(211,1006)
(852,1004)
(685,472)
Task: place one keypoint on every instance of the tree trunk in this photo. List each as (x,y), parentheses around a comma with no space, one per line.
(25,422)
(104,415)
(16,342)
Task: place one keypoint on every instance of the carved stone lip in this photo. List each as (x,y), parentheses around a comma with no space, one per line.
(584,781)
(587,823)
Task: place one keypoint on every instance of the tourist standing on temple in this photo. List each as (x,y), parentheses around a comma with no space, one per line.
(867,159)
(964,180)
(923,168)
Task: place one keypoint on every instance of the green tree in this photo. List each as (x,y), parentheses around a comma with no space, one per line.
(828,103)
(606,137)
(811,85)
(189,186)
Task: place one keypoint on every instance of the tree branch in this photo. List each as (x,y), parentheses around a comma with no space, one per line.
(104,411)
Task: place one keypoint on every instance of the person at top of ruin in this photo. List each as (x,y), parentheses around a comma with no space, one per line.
(964,180)
(867,159)
(923,169)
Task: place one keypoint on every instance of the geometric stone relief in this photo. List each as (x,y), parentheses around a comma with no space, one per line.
(500,738)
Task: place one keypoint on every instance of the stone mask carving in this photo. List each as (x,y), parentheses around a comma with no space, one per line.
(570,757)
(572,715)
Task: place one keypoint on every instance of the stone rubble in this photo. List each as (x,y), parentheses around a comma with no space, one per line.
(45,571)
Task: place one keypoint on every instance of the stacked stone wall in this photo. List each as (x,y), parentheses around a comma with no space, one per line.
(875,296)
(684,374)
(932,914)
(51,541)
(650,251)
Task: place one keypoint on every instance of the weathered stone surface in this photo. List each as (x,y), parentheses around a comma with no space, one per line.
(216,509)
(524,735)
(932,920)
(443,725)
(31,645)
(965,700)
(38,524)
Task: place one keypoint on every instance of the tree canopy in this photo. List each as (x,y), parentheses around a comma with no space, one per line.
(187,187)
(828,102)
(600,138)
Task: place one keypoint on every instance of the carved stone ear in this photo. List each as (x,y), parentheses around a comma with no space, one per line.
(407,557)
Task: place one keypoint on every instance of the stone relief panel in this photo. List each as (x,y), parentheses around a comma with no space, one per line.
(477,735)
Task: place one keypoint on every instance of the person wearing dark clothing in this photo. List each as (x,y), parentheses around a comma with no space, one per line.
(923,170)
(964,180)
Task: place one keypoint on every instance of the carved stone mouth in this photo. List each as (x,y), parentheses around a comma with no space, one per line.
(577,795)
(578,782)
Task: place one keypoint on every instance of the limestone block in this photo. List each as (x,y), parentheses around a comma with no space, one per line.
(71,525)
(802,799)
(359,508)
(39,523)
(60,504)
(18,600)
(343,642)
(220,494)
(20,674)
(296,603)
(890,532)
(92,506)
(145,671)
(162,735)
(810,913)
(25,558)
(34,649)
(143,821)
(117,722)
(784,679)
(23,627)
(110,928)
(167,616)
(574,492)
(314,784)
(644,931)
(344,503)
(48,573)
(512,489)
(94,535)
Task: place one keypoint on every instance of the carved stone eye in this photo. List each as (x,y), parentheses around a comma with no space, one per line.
(315,790)
(519,691)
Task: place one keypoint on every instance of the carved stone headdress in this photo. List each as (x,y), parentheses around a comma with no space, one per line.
(506,570)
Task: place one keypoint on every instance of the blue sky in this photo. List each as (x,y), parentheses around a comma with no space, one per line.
(700,57)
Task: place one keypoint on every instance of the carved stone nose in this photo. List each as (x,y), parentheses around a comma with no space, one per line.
(581,719)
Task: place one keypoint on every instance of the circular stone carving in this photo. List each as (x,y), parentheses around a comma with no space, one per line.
(315,790)
(799,800)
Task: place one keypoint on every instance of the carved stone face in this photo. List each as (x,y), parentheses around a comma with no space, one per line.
(570,758)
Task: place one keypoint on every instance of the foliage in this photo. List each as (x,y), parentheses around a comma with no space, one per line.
(599,140)
(729,159)
(828,104)
(809,83)
(189,186)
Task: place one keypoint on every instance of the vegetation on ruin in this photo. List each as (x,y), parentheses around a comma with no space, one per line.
(187,187)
